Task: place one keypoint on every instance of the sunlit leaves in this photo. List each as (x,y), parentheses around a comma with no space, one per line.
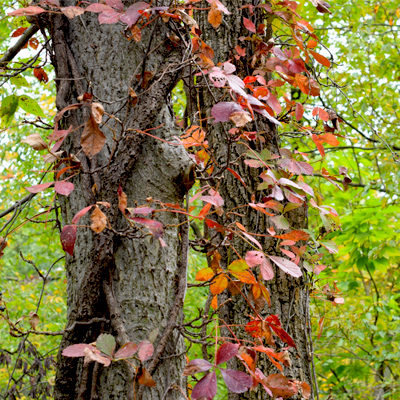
(30,105)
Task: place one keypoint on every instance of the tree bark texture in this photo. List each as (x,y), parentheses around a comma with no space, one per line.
(289,295)
(138,277)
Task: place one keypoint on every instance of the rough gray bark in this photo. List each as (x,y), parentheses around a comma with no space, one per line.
(141,277)
(289,296)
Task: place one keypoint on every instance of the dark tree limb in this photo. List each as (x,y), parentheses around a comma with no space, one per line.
(22,41)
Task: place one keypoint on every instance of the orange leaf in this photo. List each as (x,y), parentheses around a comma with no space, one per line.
(219,284)
(194,136)
(99,220)
(329,138)
(214,303)
(215,16)
(204,274)
(318,143)
(321,59)
(204,211)
(294,235)
(312,44)
(245,277)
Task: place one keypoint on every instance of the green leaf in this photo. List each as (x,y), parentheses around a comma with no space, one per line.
(19,81)
(238,266)
(106,344)
(8,108)
(30,106)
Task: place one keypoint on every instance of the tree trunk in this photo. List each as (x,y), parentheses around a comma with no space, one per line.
(118,283)
(289,295)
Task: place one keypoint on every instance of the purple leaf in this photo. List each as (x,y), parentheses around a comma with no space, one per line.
(237,85)
(110,17)
(279,53)
(196,366)
(288,266)
(296,167)
(155,227)
(236,381)
(206,387)
(126,351)
(146,350)
(141,210)
(98,7)
(76,350)
(39,188)
(68,237)
(64,188)
(132,14)
(117,4)
(226,352)
(266,114)
(223,110)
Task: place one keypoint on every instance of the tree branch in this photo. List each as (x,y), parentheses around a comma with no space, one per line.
(14,50)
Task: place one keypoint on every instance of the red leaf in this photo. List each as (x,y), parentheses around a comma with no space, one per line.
(206,387)
(126,351)
(63,187)
(280,386)
(40,75)
(320,327)
(18,32)
(299,111)
(226,352)
(215,225)
(249,25)
(80,214)
(68,237)
(236,381)
(275,325)
(76,350)
(237,176)
(132,14)
(288,266)
(39,188)
(146,350)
